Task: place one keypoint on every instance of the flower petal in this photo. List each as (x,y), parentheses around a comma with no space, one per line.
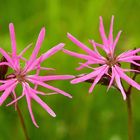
(13,39)
(99,76)
(7,92)
(126,78)
(39,101)
(28,98)
(81,45)
(50,87)
(118,81)
(88,76)
(51,77)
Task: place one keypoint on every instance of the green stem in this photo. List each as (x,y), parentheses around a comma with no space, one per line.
(129,110)
(22,123)
(130,118)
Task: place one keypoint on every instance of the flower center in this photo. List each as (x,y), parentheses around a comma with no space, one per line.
(20,76)
(111,61)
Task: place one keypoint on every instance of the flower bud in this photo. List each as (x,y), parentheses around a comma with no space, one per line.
(3,68)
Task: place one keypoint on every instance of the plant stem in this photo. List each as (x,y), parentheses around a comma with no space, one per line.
(22,123)
(21,120)
(130,118)
(129,110)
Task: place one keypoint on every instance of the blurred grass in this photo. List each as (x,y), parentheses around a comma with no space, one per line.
(99,116)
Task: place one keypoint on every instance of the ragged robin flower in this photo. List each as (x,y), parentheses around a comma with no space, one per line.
(109,65)
(21,75)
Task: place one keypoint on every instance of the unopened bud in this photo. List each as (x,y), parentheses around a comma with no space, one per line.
(3,68)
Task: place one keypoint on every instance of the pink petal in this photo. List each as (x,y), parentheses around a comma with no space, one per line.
(95,47)
(129,58)
(129,53)
(126,78)
(25,49)
(7,92)
(44,56)
(7,84)
(39,101)
(52,51)
(5,63)
(8,58)
(13,39)
(102,33)
(82,56)
(88,76)
(45,68)
(37,48)
(86,64)
(15,100)
(51,77)
(101,46)
(97,79)
(13,43)
(117,78)
(15,96)
(81,45)
(112,80)
(116,40)
(38,44)
(111,32)
(28,98)
(50,87)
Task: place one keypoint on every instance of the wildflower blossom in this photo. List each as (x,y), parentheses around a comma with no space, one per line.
(21,75)
(109,65)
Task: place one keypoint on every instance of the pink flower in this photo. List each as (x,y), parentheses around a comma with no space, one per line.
(21,75)
(109,65)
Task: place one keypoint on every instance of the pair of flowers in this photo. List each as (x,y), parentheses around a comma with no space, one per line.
(109,66)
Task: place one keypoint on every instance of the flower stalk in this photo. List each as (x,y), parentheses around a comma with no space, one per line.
(22,123)
(130,117)
(129,110)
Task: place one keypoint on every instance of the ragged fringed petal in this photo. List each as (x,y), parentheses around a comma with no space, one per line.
(52,51)
(111,80)
(30,110)
(118,82)
(7,57)
(25,49)
(13,43)
(82,46)
(83,56)
(37,47)
(98,77)
(13,39)
(103,35)
(38,44)
(94,44)
(128,53)
(7,92)
(7,84)
(86,64)
(88,76)
(126,78)
(49,87)
(110,37)
(51,77)
(28,98)
(44,56)
(116,41)
(39,101)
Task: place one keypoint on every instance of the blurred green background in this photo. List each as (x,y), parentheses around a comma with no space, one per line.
(98,116)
